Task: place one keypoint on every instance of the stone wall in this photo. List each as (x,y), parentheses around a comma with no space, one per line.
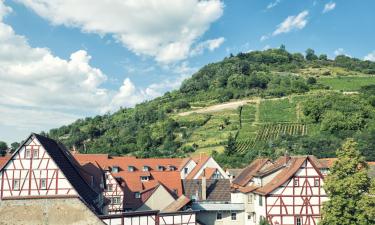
(67,211)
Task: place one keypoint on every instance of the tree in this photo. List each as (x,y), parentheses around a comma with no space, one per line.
(14,146)
(3,148)
(310,55)
(346,186)
(263,221)
(230,148)
(323,57)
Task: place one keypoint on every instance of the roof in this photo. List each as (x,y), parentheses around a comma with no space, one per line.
(217,190)
(200,160)
(178,204)
(247,189)
(132,183)
(3,161)
(292,166)
(249,172)
(208,172)
(328,162)
(234,172)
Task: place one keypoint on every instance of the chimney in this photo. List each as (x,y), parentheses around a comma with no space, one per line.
(204,186)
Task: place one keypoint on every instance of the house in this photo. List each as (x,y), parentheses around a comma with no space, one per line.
(141,184)
(211,199)
(42,173)
(286,191)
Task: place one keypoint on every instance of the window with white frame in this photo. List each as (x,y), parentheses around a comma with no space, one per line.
(233,216)
(219,216)
(110,187)
(137,195)
(115,169)
(260,200)
(35,153)
(16,184)
(186,170)
(298,221)
(28,153)
(316,182)
(43,183)
(131,168)
(146,168)
(250,198)
(161,168)
(296,182)
(145,178)
(116,200)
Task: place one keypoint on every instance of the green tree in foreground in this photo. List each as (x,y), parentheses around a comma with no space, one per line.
(347,187)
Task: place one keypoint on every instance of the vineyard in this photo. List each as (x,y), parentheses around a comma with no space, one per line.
(268,132)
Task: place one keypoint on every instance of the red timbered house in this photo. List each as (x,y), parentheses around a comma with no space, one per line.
(41,168)
(288,191)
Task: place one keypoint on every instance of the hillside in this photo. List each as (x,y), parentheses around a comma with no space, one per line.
(257,103)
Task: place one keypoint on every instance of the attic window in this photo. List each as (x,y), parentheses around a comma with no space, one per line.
(161,168)
(146,168)
(145,178)
(216,175)
(131,168)
(137,195)
(115,169)
(28,154)
(186,170)
(172,168)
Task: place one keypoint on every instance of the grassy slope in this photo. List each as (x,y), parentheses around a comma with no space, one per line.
(262,117)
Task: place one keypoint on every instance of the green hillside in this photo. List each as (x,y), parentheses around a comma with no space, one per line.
(275,101)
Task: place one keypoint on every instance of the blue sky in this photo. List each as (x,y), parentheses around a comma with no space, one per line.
(63,60)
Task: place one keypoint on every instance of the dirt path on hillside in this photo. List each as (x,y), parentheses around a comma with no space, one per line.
(221,107)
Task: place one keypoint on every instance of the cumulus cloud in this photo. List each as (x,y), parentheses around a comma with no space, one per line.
(40,91)
(291,23)
(163,29)
(370,56)
(329,7)
(209,44)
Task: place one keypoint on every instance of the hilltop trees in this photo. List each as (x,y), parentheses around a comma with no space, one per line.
(347,187)
(3,148)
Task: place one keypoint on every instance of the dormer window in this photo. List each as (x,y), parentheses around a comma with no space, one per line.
(216,175)
(186,170)
(115,169)
(146,168)
(131,168)
(145,178)
(172,168)
(161,168)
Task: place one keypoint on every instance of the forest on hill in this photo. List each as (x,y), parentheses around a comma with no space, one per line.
(325,115)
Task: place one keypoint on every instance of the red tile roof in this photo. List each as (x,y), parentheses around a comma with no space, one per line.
(200,161)
(249,172)
(3,161)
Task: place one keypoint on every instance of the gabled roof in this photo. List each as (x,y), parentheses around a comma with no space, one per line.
(217,190)
(250,171)
(293,165)
(68,166)
(200,161)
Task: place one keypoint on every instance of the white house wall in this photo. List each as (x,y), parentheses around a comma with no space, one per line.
(211,163)
(190,165)
(29,171)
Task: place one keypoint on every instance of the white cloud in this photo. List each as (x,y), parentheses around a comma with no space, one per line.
(209,44)
(340,51)
(40,91)
(266,47)
(297,22)
(273,4)
(370,56)
(329,7)
(264,37)
(163,29)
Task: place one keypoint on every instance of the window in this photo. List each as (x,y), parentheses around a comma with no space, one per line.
(175,191)
(172,168)
(115,169)
(298,221)
(146,168)
(144,178)
(43,183)
(219,216)
(249,216)
(316,182)
(186,170)
(296,182)
(131,168)
(216,175)
(35,153)
(110,187)
(233,216)
(137,195)
(116,200)
(193,198)
(16,184)
(28,153)
(250,198)
(260,201)
(161,168)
